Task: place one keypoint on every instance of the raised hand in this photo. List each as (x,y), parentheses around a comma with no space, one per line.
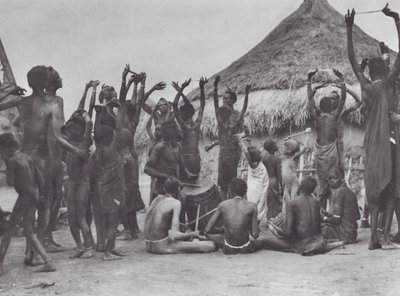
(338,74)
(387,11)
(364,64)
(349,18)
(160,86)
(143,76)
(176,86)
(202,81)
(92,83)
(311,73)
(126,71)
(186,83)
(217,80)
(247,89)
(135,78)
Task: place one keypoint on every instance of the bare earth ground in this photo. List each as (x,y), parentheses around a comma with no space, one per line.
(350,271)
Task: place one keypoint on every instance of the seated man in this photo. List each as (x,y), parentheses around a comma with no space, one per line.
(341,220)
(302,233)
(239,219)
(161,227)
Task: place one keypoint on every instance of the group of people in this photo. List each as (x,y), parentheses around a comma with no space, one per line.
(103,183)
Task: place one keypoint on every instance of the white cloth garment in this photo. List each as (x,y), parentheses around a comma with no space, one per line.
(257,186)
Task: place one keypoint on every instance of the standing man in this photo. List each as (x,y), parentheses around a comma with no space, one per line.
(228,125)
(382,161)
(327,154)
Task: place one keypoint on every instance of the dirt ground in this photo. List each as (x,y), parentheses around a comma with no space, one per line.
(350,271)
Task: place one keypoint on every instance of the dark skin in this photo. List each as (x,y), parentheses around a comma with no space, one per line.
(325,123)
(389,79)
(78,172)
(228,126)
(190,128)
(28,182)
(162,221)
(239,219)
(41,118)
(163,107)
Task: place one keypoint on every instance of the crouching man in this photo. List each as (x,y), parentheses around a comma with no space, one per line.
(302,233)
(161,227)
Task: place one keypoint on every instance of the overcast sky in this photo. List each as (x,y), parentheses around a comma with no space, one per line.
(169,40)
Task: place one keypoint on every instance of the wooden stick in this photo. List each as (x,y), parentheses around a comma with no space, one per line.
(366,12)
(196,228)
(8,74)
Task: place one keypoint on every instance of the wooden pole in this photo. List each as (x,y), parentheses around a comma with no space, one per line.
(8,77)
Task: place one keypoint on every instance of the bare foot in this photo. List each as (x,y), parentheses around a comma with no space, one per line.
(87,254)
(117,253)
(126,236)
(100,248)
(36,260)
(374,245)
(389,246)
(110,257)
(47,267)
(77,254)
(51,248)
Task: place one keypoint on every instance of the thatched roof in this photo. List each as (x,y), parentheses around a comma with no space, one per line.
(314,36)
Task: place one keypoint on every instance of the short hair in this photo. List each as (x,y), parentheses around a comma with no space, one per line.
(161,100)
(270,145)
(377,67)
(38,77)
(171,185)
(232,94)
(254,153)
(238,187)
(168,130)
(338,172)
(308,185)
(187,109)
(325,105)
(53,76)
(105,93)
(9,141)
(103,135)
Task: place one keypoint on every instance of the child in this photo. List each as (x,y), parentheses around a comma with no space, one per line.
(257,178)
(291,154)
(272,163)
(29,184)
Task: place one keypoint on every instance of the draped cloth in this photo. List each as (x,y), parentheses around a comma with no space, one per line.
(378,153)
(345,231)
(327,159)
(257,187)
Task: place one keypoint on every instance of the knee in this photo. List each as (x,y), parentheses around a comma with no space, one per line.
(27,232)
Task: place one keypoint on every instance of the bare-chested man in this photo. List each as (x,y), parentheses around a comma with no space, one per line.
(190,128)
(161,227)
(78,131)
(41,118)
(341,220)
(302,232)
(382,161)
(28,182)
(228,125)
(239,220)
(327,156)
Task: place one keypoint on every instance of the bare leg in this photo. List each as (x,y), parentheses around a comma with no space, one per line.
(277,244)
(396,238)
(72,206)
(389,211)
(374,242)
(82,198)
(57,196)
(196,246)
(218,239)
(112,223)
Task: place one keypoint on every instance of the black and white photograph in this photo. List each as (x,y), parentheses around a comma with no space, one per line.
(200,148)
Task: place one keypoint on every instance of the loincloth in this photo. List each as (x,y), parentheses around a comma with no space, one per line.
(157,246)
(327,159)
(243,249)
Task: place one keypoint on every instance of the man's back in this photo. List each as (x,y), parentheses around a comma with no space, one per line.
(237,216)
(272,164)
(348,202)
(303,217)
(159,218)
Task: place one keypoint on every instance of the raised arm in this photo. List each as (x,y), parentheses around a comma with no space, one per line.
(14,90)
(159,86)
(245,104)
(87,136)
(353,107)
(342,100)
(310,94)
(396,66)
(123,90)
(216,105)
(139,103)
(349,18)
(148,125)
(94,84)
(239,139)
(200,114)
(177,112)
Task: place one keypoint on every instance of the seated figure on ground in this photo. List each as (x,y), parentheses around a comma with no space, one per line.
(302,232)
(341,220)
(238,218)
(161,227)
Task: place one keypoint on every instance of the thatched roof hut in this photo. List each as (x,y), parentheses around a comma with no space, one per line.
(314,36)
